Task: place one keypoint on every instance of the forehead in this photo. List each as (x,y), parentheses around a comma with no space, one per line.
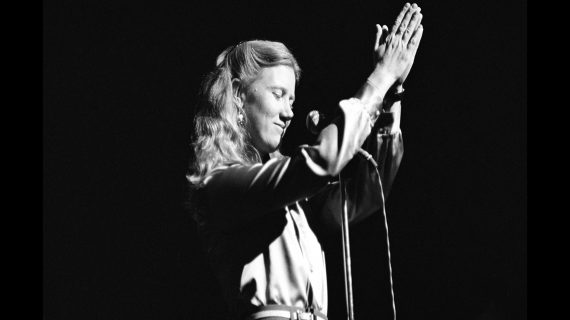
(277,76)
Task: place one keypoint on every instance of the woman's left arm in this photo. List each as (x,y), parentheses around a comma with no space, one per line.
(367,180)
(368,184)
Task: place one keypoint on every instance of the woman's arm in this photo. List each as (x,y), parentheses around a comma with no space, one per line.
(392,66)
(367,183)
(237,193)
(394,54)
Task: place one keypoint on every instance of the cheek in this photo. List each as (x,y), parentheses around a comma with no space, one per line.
(261,112)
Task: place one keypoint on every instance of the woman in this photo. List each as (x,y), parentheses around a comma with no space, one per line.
(253,205)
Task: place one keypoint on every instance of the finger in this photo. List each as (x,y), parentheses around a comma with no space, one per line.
(400,18)
(405,21)
(414,23)
(416,38)
(378,36)
(384,34)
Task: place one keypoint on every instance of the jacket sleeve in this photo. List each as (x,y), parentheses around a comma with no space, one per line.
(236,194)
(367,182)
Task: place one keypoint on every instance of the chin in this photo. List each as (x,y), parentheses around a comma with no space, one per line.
(272,147)
(268,144)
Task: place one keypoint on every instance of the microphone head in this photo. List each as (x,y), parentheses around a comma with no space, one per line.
(314,118)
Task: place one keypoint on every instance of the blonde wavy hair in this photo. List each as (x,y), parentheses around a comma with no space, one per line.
(218,139)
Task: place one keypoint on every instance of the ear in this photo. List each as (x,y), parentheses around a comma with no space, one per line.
(237,94)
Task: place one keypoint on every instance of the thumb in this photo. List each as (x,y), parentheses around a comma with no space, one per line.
(378,36)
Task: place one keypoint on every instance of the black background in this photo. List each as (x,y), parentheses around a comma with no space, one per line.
(120,79)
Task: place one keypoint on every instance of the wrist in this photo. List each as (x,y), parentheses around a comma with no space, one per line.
(398,88)
(381,80)
(395,94)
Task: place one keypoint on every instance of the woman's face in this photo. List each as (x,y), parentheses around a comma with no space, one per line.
(268,105)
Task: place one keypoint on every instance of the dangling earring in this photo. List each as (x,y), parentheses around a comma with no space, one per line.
(239,105)
(240,118)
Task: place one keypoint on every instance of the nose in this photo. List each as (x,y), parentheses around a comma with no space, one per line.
(287,112)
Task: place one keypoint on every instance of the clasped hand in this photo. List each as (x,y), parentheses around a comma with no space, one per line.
(395,50)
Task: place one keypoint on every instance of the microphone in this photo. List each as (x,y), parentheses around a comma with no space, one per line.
(316,121)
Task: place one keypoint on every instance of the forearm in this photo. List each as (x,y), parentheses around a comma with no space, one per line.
(373,92)
(385,144)
(238,194)
(339,141)
(362,179)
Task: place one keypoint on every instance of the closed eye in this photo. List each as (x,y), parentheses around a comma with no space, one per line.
(279,94)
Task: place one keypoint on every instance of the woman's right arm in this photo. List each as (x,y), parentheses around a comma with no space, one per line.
(238,193)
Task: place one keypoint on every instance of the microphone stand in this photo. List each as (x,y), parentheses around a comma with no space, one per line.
(346,252)
(312,120)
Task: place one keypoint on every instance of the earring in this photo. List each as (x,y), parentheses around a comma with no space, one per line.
(240,118)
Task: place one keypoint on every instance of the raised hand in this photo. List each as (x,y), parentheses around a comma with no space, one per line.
(412,37)
(395,51)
